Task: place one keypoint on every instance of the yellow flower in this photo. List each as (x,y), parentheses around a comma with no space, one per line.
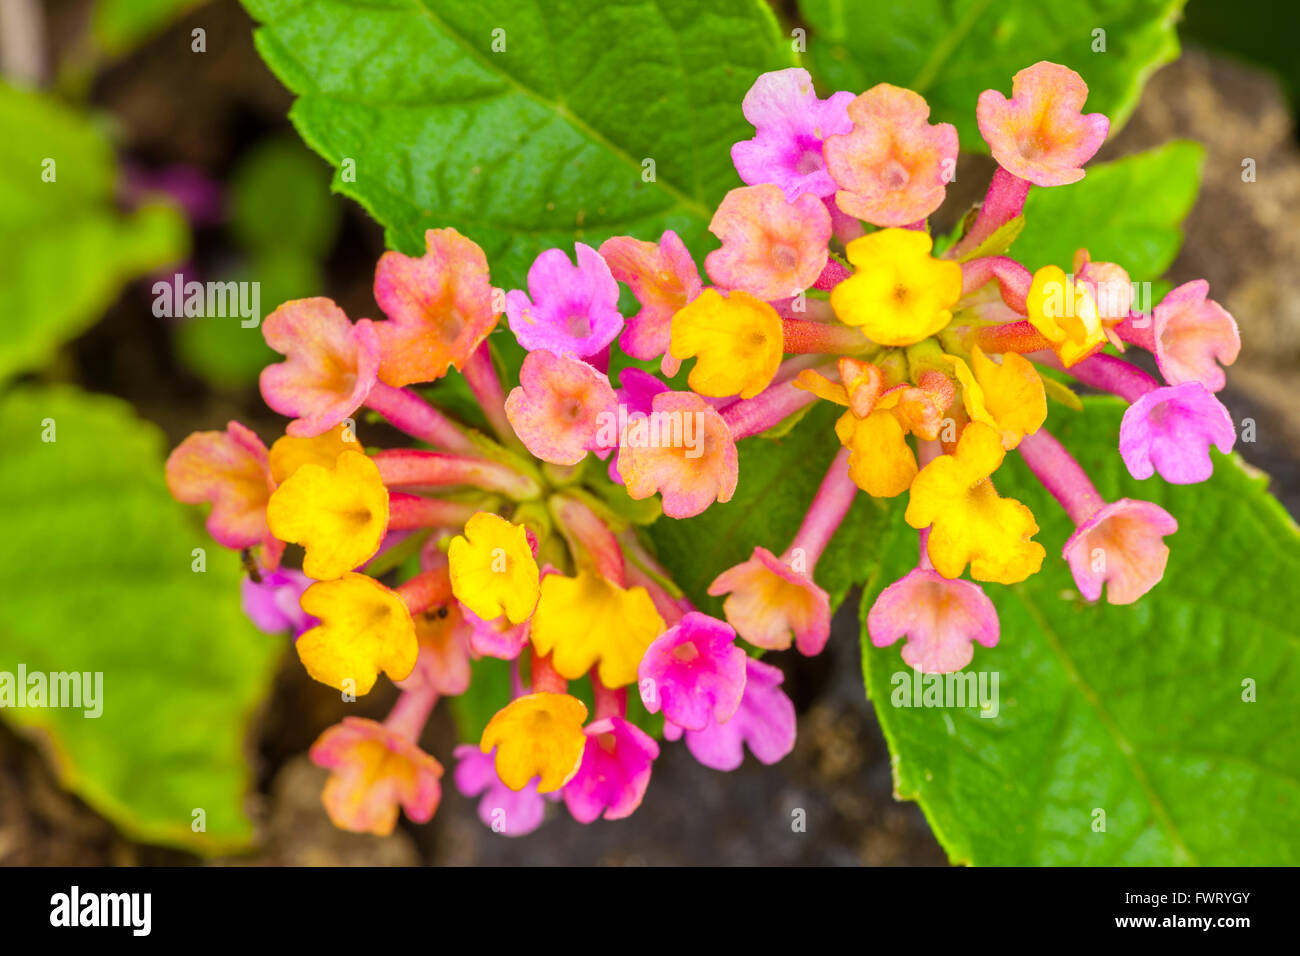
(493,571)
(1010,397)
(588,619)
(899,294)
(881,462)
(364,628)
(969,522)
(338,514)
(538,735)
(738,342)
(1065,313)
(288,454)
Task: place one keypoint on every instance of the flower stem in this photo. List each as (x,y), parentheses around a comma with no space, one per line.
(804,336)
(1004,201)
(482,379)
(589,538)
(768,408)
(408,512)
(409,412)
(1060,474)
(1104,372)
(411,713)
(427,589)
(829,506)
(1013,279)
(413,467)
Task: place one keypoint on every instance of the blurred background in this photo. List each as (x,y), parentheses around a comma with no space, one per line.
(207,136)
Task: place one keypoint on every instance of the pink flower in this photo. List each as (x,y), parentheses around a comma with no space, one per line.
(1191,333)
(1170,430)
(272,603)
(439,308)
(792,124)
(764,721)
(230,470)
(509,812)
(694,672)
(376,770)
(1041,134)
(769,602)
(1108,284)
(558,406)
(443,662)
(496,638)
(684,451)
(1121,545)
(572,310)
(615,771)
(331,366)
(663,278)
(941,618)
(893,169)
(771,248)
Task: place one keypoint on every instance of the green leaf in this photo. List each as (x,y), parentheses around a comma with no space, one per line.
(1136,711)
(122,25)
(950,51)
(778,479)
(96,573)
(279,201)
(65,252)
(539,144)
(1129,211)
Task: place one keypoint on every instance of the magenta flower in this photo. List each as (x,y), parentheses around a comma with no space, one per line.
(1170,430)
(663,278)
(1121,545)
(509,812)
(792,123)
(693,672)
(764,721)
(1041,134)
(1192,335)
(558,407)
(941,618)
(272,604)
(570,310)
(331,364)
(614,773)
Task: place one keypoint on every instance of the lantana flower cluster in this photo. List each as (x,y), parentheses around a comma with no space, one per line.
(524,543)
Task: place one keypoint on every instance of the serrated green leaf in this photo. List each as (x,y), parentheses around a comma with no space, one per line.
(1136,711)
(778,479)
(542,140)
(1129,211)
(65,252)
(97,577)
(952,50)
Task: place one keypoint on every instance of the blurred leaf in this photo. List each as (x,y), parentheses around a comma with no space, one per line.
(540,144)
(1129,211)
(778,479)
(122,25)
(97,577)
(950,51)
(1137,711)
(280,201)
(65,252)
(219,347)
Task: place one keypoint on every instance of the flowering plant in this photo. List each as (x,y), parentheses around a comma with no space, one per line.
(524,544)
